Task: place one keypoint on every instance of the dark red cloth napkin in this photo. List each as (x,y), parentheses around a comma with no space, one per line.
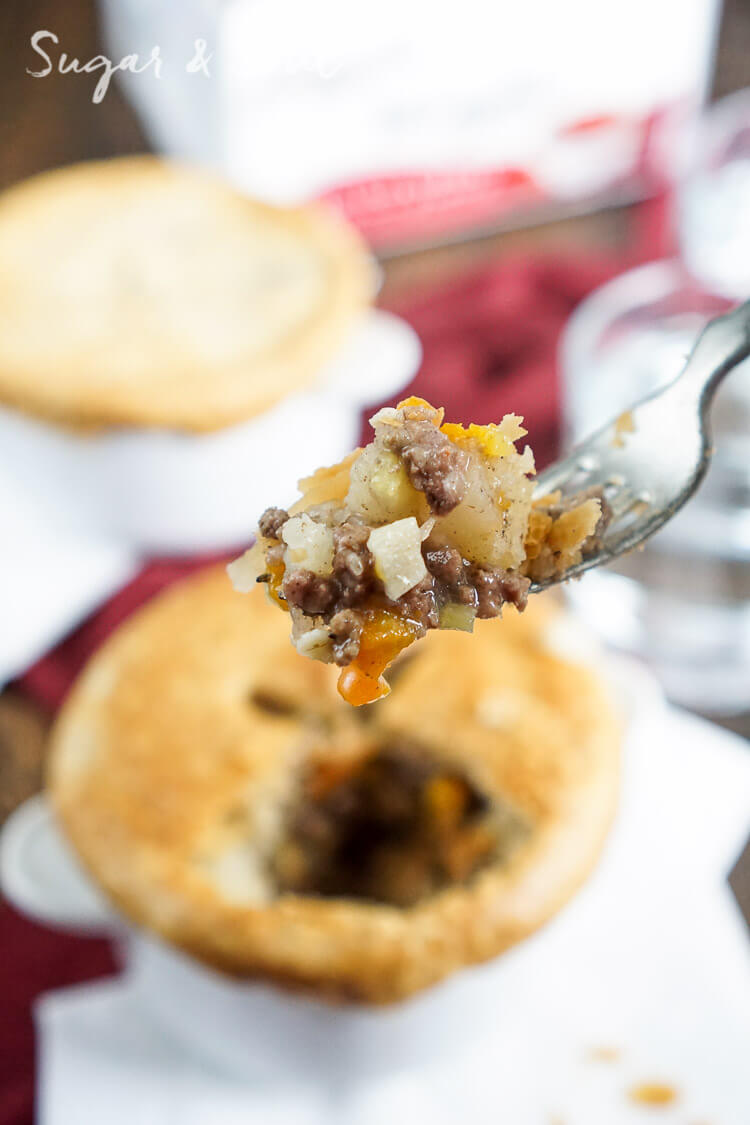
(489,342)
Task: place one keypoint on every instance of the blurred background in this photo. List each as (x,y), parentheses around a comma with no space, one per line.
(558,197)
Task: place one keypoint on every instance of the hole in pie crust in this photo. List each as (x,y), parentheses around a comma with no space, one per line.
(394,827)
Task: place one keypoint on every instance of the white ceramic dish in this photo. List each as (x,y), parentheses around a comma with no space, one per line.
(251,1029)
(163,491)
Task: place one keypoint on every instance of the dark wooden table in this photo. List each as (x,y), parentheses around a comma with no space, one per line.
(52,122)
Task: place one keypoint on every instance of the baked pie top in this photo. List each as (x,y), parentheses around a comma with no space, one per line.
(223,795)
(139,292)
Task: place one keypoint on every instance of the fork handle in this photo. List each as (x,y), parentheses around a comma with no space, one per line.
(723,343)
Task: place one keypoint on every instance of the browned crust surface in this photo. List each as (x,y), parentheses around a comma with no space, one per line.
(140,292)
(160,750)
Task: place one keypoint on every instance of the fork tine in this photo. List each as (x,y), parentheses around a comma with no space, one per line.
(648,471)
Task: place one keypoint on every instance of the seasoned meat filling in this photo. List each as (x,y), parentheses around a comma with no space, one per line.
(434,465)
(446,565)
(395,828)
(450,580)
(494,590)
(352,562)
(458,581)
(421,604)
(309,592)
(345,630)
(271,522)
(432,525)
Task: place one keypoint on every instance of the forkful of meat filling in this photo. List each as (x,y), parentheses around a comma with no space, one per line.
(430,526)
(433,524)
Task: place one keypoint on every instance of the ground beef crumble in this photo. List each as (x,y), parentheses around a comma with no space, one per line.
(345,630)
(433,463)
(421,605)
(352,562)
(446,565)
(495,588)
(271,522)
(466,583)
(312,593)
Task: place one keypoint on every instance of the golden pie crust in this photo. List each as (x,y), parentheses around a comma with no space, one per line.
(171,781)
(140,292)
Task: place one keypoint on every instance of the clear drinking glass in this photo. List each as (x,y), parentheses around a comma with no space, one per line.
(683,602)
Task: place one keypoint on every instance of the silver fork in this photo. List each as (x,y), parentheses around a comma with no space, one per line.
(647,474)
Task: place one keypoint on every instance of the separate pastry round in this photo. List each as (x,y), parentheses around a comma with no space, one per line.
(222,795)
(140,292)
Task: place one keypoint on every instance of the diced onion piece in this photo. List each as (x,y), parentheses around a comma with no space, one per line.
(396,549)
(309,544)
(455,616)
(245,571)
(315,644)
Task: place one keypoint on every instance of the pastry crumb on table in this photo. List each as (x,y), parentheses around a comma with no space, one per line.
(604,1054)
(656,1094)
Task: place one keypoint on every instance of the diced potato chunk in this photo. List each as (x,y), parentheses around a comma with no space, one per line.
(309,544)
(380,490)
(489,525)
(396,549)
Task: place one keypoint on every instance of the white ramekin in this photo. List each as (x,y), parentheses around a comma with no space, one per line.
(253,1030)
(163,491)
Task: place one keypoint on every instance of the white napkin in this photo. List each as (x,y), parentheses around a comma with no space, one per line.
(650,959)
(50,578)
